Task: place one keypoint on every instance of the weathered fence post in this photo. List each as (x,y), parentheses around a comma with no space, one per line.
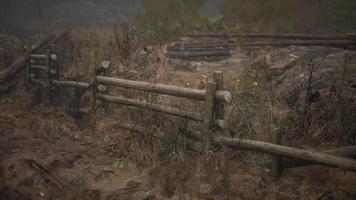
(209,103)
(53,74)
(28,54)
(93,87)
(219,107)
(103,70)
(276,160)
(48,81)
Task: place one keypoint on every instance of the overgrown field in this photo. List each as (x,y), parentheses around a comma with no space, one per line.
(307,93)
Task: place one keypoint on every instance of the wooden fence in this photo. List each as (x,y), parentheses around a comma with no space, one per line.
(42,69)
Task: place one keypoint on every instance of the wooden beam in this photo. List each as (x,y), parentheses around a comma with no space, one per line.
(40,67)
(219,107)
(190,54)
(155,107)
(39,82)
(289,152)
(276,35)
(209,104)
(196,94)
(276,160)
(274,149)
(82,85)
(38,56)
(195,49)
(338,43)
(203,48)
(347,152)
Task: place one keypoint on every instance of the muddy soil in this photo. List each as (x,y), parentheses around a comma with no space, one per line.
(47,154)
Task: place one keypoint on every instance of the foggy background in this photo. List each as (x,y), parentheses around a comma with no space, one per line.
(21,17)
(168,17)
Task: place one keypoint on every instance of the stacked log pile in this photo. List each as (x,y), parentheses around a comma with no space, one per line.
(224,43)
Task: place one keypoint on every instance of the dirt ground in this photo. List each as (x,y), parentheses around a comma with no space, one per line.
(47,154)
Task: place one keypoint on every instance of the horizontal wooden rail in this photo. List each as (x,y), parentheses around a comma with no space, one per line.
(40,67)
(38,56)
(37,81)
(196,94)
(158,108)
(71,84)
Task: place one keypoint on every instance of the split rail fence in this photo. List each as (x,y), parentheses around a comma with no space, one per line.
(43,69)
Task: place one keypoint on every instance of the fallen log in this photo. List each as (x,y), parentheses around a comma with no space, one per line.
(277,36)
(19,63)
(202,47)
(284,151)
(190,54)
(199,48)
(274,149)
(347,152)
(337,43)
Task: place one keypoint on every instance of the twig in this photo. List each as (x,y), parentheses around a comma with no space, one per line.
(46,174)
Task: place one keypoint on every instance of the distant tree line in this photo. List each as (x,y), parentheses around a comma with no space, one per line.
(290,15)
(169,17)
(178,16)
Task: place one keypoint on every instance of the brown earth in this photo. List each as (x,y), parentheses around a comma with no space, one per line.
(48,154)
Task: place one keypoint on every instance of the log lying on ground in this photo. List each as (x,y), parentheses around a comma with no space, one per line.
(190,54)
(202,48)
(264,147)
(196,94)
(276,35)
(197,47)
(284,151)
(19,63)
(155,107)
(337,43)
(346,152)
(186,46)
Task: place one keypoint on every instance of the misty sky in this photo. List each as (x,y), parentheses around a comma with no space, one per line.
(18,16)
